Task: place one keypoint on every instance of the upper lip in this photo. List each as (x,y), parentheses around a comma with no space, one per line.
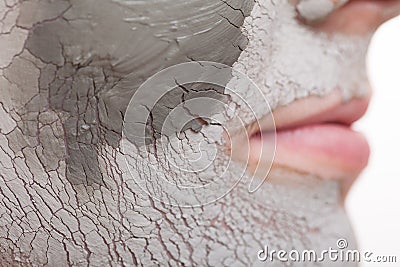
(313,110)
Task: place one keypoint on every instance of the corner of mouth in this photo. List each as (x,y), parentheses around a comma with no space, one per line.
(315,135)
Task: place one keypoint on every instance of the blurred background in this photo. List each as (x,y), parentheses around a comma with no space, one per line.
(374,202)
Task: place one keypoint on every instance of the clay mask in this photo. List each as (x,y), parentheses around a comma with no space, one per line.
(70,193)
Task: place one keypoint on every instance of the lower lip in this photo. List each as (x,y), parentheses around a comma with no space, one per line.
(327,149)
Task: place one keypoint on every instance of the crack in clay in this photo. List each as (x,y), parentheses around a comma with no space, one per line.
(76,76)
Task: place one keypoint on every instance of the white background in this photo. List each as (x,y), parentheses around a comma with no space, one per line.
(374,202)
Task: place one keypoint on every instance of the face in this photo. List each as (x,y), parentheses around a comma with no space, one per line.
(79,186)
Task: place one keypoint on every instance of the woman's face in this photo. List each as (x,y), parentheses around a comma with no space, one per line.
(78,186)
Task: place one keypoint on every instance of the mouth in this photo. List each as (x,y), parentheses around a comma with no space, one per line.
(313,135)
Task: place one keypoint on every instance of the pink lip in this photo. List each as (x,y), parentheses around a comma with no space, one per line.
(314,135)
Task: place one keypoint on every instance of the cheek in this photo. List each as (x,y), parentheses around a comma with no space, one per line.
(316,65)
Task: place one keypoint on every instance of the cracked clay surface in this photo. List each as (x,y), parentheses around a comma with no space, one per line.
(68,69)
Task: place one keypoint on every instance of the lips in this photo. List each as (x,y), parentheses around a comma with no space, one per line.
(313,135)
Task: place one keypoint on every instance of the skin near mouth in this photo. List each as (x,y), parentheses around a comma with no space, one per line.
(313,135)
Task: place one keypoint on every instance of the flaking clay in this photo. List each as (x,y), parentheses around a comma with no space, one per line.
(316,10)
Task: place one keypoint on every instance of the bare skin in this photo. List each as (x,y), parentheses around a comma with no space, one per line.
(68,70)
